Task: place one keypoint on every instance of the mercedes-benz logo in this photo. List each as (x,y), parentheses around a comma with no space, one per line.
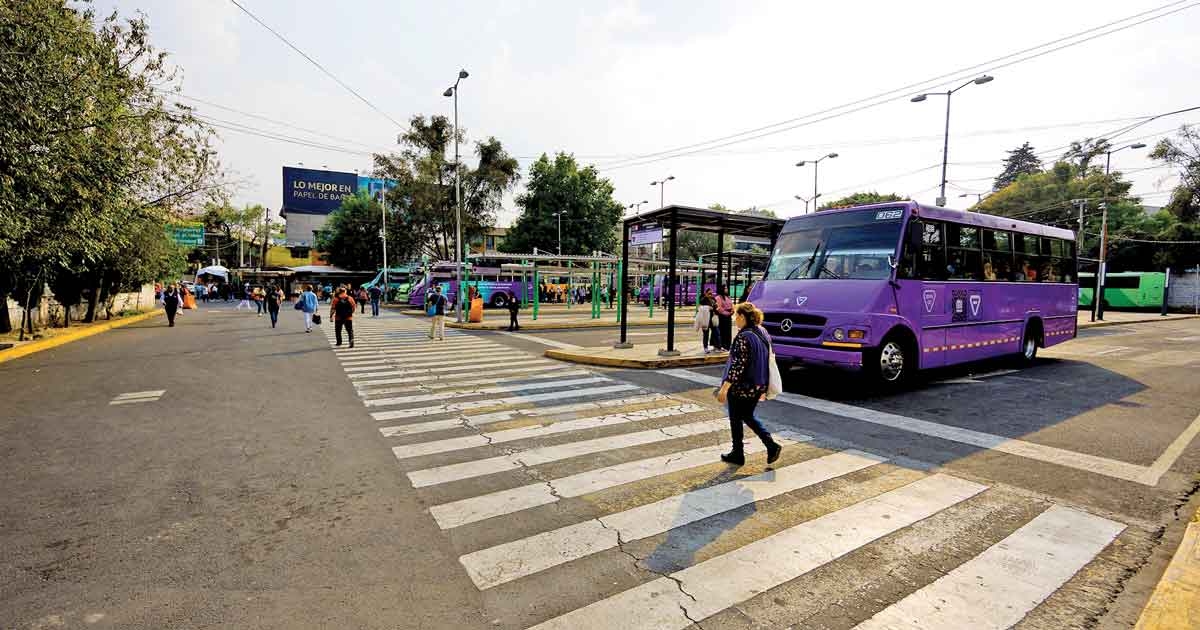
(785,325)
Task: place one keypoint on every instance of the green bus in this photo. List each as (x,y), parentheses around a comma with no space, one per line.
(1127,289)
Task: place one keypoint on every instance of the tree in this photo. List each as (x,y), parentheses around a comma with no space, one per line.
(1083,152)
(1020,161)
(350,239)
(584,198)
(425,192)
(860,199)
(1183,152)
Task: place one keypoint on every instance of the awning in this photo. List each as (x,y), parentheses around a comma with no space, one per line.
(213,270)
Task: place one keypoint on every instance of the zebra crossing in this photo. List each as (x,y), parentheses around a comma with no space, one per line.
(605,502)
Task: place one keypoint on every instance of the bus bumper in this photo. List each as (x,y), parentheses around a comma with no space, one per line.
(842,359)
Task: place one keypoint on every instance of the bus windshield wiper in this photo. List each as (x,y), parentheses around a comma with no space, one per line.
(825,269)
(806,264)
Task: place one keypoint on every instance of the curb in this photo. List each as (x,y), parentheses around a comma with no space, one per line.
(537,325)
(1175,602)
(1148,320)
(638,364)
(67,337)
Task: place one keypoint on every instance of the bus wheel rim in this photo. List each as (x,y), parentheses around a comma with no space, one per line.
(891,361)
(1030,348)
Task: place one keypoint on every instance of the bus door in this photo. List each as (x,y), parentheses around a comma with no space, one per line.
(932,296)
(935,317)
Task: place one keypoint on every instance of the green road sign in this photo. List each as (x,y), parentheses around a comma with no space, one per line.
(187,234)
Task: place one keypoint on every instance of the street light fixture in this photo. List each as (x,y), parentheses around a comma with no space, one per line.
(1098,294)
(941,200)
(452,91)
(559,215)
(662,190)
(978,196)
(637,206)
(815,164)
(806,200)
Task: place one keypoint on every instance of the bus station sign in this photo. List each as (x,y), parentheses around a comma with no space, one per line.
(646,234)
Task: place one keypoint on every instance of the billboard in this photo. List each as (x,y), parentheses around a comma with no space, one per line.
(375,187)
(646,234)
(308,191)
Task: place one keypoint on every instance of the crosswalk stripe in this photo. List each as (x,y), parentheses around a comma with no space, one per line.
(413,389)
(546,454)
(521,433)
(453,368)
(509,414)
(997,588)
(510,561)
(391,349)
(726,580)
(499,389)
(418,362)
(453,378)
(458,513)
(498,402)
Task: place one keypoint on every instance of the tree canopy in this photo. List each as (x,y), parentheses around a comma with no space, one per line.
(1183,152)
(589,212)
(351,236)
(860,199)
(1020,161)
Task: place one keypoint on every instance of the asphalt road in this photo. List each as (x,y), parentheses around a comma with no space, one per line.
(480,485)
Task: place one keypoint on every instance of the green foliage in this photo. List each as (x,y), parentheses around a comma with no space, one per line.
(351,236)
(860,199)
(1183,152)
(1020,161)
(584,198)
(425,193)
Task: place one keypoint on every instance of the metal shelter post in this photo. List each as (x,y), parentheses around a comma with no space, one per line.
(672,269)
(720,255)
(623,309)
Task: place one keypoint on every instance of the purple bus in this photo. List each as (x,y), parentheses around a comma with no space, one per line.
(891,289)
(495,285)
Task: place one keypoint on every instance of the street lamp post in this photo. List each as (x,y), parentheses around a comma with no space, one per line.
(1098,293)
(559,215)
(806,200)
(662,185)
(978,196)
(815,163)
(941,200)
(637,206)
(452,91)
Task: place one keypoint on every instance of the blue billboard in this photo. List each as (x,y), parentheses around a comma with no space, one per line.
(308,191)
(375,187)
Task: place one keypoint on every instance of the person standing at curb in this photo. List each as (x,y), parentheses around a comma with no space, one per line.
(724,318)
(436,303)
(308,304)
(514,307)
(703,322)
(362,298)
(747,375)
(341,311)
(273,298)
(375,293)
(170,300)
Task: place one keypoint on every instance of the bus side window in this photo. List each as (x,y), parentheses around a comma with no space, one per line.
(963,260)
(931,264)
(908,254)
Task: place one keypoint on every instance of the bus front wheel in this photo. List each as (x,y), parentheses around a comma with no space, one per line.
(893,362)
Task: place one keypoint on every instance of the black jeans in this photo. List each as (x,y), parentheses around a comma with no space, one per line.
(742,410)
(512,321)
(726,330)
(710,334)
(338,324)
(171,315)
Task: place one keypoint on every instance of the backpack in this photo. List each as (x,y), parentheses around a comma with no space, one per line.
(344,308)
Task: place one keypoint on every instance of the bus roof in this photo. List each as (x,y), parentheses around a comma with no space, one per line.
(962,216)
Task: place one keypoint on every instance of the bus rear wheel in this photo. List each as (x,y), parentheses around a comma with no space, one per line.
(500,300)
(1029,344)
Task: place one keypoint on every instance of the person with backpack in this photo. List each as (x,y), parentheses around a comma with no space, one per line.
(308,304)
(273,299)
(362,298)
(436,304)
(375,293)
(341,311)
(170,300)
(747,375)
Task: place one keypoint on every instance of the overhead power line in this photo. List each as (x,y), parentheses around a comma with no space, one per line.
(890,95)
(317,64)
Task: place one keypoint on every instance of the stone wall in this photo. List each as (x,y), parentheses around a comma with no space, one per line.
(1185,290)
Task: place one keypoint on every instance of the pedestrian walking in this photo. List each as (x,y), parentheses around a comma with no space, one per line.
(341,311)
(747,374)
(362,299)
(705,318)
(514,307)
(245,301)
(308,304)
(273,299)
(171,302)
(259,301)
(436,304)
(724,317)
(375,293)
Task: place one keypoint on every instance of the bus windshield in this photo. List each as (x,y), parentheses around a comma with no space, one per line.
(851,245)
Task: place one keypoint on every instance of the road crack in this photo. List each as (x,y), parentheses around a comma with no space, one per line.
(637,562)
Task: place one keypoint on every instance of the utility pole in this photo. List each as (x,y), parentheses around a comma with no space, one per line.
(383,236)
(453,91)
(1098,306)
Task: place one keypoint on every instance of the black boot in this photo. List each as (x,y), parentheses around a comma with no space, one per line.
(737,458)
(773,450)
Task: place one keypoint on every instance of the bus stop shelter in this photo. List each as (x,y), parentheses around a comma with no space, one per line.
(648,227)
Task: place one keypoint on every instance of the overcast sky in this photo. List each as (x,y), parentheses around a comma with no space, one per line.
(610,81)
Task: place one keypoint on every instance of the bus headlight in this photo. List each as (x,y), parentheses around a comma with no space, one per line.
(839,334)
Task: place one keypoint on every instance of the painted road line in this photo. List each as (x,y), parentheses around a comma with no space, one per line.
(390,349)
(510,414)
(434,410)
(499,389)
(561,345)
(452,378)
(546,454)
(418,361)
(536,431)
(510,561)
(997,588)
(1167,459)
(1020,448)
(132,398)
(732,578)
(490,364)
(415,389)
(473,509)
